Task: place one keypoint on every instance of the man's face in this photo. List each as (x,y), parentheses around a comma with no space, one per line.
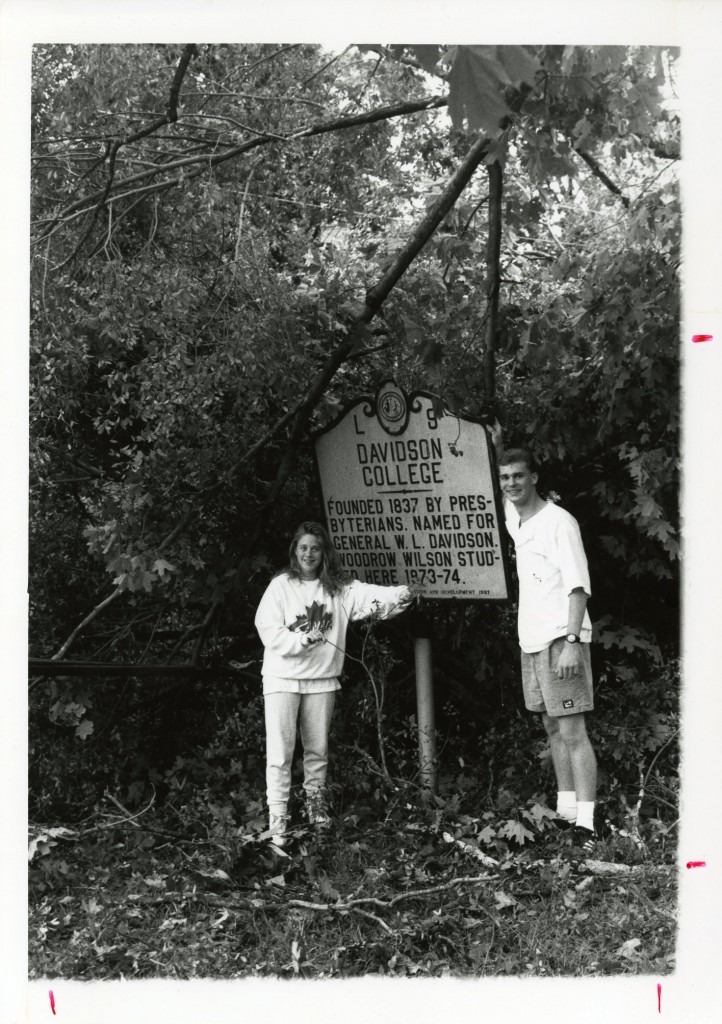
(517,482)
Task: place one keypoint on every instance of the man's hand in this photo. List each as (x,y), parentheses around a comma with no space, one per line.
(570,661)
(406,598)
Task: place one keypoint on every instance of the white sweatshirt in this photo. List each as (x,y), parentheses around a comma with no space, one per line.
(289,608)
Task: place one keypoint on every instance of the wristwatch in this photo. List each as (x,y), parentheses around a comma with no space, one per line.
(572,638)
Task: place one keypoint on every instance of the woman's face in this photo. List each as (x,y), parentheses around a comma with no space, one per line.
(309,552)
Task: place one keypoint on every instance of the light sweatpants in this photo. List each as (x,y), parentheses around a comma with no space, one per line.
(312,711)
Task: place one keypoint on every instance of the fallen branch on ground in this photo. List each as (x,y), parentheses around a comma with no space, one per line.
(606,869)
(348,905)
(471,851)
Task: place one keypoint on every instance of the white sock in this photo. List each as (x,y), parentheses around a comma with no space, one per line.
(567,804)
(585,814)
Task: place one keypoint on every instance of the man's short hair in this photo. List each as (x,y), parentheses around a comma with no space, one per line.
(510,455)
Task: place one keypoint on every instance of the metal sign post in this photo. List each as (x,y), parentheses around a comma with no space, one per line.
(425,714)
(410,496)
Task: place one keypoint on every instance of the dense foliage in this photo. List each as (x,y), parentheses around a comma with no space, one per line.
(208,222)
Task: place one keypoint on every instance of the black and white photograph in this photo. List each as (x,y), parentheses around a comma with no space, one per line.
(364,412)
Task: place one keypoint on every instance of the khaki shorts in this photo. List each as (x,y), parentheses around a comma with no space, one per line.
(545,691)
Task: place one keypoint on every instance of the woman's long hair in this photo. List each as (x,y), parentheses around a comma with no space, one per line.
(332,574)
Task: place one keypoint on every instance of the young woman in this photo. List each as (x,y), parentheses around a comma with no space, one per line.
(302,621)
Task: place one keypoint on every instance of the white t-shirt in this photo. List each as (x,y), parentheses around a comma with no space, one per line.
(550,563)
(289,608)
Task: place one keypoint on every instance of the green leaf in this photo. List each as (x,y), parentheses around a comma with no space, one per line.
(162,567)
(521,66)
(538,812)
(475,80)
(513,829)
(84,730)
(428,57)
(215,875)
(487,834)
(327,890)
(504,900)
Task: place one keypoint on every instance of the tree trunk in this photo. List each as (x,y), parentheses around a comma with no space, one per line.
(493,249)
(375,297)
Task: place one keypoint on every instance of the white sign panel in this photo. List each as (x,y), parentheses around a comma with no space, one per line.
(410,496)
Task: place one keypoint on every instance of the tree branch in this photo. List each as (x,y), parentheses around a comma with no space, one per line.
(375,297)
(170,117)
(113,152)
(354,339)
(213,160)
(420,236)
(324,68)
(493,250)
(190,50)
(599,173)
(86,621)
(664,152)
(77,463)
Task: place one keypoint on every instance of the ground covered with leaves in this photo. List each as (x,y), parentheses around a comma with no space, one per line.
(398,888)
(148,857)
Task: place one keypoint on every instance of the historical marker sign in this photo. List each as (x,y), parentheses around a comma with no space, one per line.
(411,496)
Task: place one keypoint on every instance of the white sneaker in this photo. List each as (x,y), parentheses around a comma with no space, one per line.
(278,826)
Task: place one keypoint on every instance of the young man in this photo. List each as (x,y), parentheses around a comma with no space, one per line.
(554,635)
